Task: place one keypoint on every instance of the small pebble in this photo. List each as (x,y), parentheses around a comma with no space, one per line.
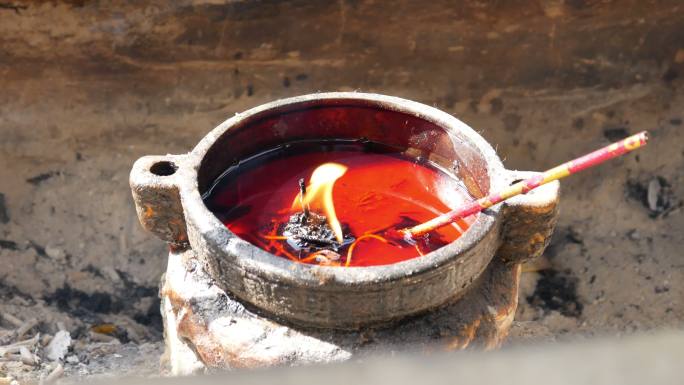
(72,359)
(634,235)
(26,357)
(59,346)
(45,339)
(54,375)
(110,273)
(653,194)
(55,252)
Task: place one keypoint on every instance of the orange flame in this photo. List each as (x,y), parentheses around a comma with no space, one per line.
(319,194)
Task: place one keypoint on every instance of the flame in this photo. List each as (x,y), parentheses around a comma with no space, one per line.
(319,194)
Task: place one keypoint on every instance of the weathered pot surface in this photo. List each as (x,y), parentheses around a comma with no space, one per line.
(168,195)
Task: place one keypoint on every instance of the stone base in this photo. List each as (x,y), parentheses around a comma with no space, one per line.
(206,328)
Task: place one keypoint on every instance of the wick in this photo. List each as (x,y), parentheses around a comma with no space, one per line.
(302,192)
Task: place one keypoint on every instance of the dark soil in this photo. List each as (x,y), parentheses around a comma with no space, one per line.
(4,214)
(615,134)
(557,291)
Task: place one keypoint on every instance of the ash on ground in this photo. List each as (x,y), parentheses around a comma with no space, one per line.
(40,343)
(656,194)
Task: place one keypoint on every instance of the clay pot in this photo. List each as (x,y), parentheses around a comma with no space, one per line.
(168,196)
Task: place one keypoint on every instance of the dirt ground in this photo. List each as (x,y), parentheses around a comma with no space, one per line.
(72,252)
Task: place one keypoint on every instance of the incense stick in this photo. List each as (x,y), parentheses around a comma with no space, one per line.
(576,165)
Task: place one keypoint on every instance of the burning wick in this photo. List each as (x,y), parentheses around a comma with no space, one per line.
(319,195)
(307,230)
(302,193)
(316,227)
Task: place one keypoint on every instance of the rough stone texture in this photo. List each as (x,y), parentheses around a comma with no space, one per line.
(530,220)
(155,191)
(206,328)
(201,318)
(469,45)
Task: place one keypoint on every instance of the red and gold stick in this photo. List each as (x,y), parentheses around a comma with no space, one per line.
(576,165)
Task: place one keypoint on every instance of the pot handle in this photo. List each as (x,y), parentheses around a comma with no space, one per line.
(529,220)
(154,184)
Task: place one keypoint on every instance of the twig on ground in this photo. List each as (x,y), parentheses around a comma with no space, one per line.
(99,337)
(54,375)
(12,319)
(28,325)
(26,356)
(14,348)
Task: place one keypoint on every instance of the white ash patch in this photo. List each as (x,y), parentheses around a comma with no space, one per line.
(29,356)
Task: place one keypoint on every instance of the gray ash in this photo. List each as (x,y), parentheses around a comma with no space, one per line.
(308,230)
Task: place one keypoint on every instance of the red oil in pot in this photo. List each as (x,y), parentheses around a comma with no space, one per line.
(376,188)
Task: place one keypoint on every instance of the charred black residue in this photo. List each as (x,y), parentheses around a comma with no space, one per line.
(133,289)
(93,270)
(4,213)
(310,231)
(80,303)
(616,133)
(40,178)
(8,245)
(636,190)
(92,306)
(557,291)
(7,292)
(40,250)
(661,289)
(655,194)
(562,237)
(670,75)
(152,316)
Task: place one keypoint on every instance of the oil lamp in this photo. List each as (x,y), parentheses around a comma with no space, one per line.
(368,161)
(344,211)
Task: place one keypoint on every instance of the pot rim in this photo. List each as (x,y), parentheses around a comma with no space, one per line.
(254,259)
